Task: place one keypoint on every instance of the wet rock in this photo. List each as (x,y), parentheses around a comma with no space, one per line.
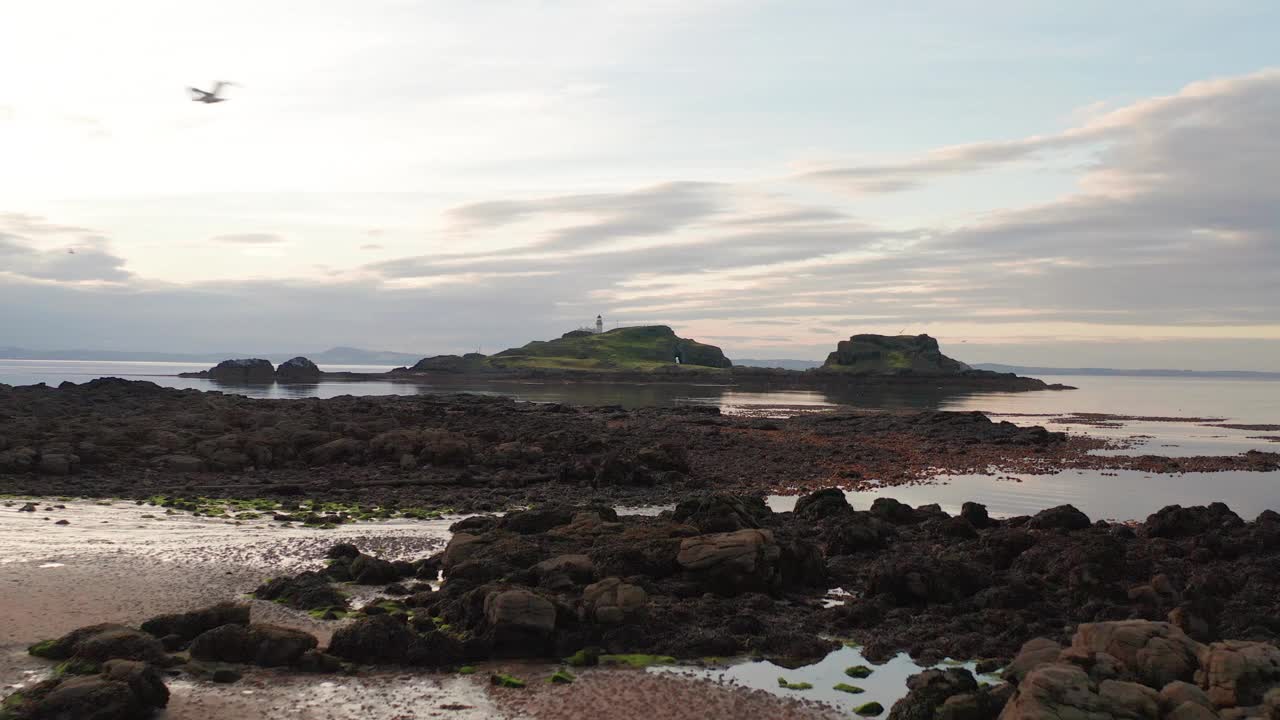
(188,625)
(1062,517)
(927,691)
(733,562)
(826,503)
(225,676)
(1238,673)
(264,645)
(29,507)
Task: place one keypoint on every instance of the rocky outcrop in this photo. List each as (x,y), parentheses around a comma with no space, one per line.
(298,370)
(239,372)
(891,355)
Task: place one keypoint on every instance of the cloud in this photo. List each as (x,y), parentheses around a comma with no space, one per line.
(371,246)
(1170,232)
(590,219)
(87,260)
(259,238)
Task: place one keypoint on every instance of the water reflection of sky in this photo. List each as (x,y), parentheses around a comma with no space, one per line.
(1116,495)
(885,685)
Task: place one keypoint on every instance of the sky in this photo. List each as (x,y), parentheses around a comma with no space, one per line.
(1038,183)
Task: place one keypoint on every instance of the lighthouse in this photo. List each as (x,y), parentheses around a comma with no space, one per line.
(599,324)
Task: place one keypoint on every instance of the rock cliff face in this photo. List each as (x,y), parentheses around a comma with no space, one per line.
(298,369)
(249,370)
(892,355)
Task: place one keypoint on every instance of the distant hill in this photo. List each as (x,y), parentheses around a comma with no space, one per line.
(1121,372)
(868,354)
(650,347)
(785,364)
(332,356)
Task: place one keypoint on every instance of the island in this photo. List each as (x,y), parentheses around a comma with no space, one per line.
(655,353)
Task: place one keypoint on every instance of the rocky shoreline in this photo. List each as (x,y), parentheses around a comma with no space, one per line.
(120,438)
(1087,618)
(1124,621)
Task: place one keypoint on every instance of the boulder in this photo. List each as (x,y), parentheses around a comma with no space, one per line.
(143,680)
(369,570)
(732,562)
(976,514)
(1065,692)
(1179,692)
(296,370)
(91,697)
(564,571)
(265,645)
(1237,673)
(190,624)
(1062,517)
(927,691)
(120,642)
(1034,653)
(377,639)
(1156,653)
(519,610)
(825,503)
(612,601)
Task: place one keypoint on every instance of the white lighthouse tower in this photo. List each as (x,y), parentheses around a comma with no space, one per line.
(599,324)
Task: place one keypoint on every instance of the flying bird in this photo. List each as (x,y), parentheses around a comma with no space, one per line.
(209,96)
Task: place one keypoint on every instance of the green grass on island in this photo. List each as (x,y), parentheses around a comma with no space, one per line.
(640,349)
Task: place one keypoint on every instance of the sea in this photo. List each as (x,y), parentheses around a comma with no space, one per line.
(1159,415)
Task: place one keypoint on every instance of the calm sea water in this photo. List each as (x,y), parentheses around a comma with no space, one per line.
(1124,496)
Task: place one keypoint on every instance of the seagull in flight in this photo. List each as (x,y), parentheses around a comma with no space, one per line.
(209,96)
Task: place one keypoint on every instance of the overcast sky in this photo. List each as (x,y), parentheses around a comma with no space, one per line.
(1087,183)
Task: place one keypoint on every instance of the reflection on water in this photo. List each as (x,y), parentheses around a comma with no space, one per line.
(886,684)
(1117,495)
